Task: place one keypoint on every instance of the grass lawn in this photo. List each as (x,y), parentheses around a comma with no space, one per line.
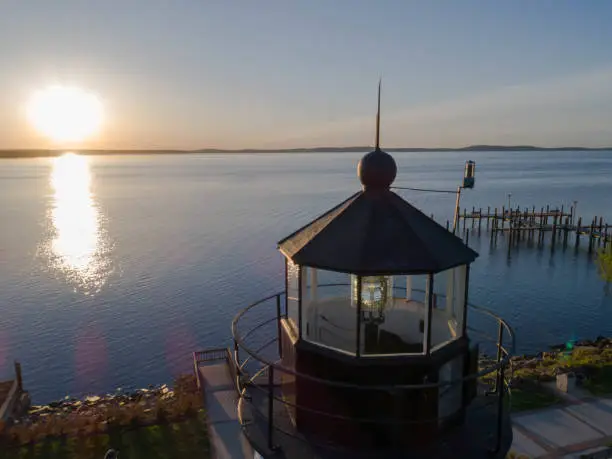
(184,440)
(531,396)
(528,393)
(601,383)
(597,361)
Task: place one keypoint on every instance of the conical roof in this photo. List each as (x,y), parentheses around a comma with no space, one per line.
(376,232)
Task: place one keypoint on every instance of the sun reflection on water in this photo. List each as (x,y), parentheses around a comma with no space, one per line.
(78,246)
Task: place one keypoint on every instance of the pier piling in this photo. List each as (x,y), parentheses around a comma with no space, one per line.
(523,224)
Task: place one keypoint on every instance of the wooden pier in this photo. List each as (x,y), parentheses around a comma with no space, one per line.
(532,224)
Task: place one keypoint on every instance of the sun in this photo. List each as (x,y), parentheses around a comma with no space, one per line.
(65,113)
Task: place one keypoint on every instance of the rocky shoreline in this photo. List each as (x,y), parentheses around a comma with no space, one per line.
(101,413)
(601,343)
(159,404)
(148,397)
(95,405)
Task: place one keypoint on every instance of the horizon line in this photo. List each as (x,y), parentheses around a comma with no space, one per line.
(353,148)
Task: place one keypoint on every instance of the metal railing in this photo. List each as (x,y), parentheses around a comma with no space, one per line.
(270,367)
(210,355)
(11,397)
(502,327)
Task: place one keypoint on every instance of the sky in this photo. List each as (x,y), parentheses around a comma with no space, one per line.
(190,74)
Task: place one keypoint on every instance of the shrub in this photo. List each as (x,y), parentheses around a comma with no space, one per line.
(135,414)
(115,416)
(22,434)
(160,411)
(185,384)
(604,265)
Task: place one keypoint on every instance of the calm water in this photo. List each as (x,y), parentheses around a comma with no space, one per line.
(113,269)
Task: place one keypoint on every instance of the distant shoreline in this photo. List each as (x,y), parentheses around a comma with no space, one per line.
(39,153)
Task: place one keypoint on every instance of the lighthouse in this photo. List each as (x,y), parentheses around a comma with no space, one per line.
(370,352)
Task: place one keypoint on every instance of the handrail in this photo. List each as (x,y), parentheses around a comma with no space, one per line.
(352,418)
(295,435)
(502,385)
(196,372)
(261,348)
(208,355)
(7,405)
(264,370)
(495,367)
(485,311)
(258,326)
(234,371)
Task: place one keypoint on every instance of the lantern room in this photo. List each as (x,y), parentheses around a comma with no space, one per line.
(375,276)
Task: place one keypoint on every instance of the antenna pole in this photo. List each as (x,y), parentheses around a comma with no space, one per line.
(378,118)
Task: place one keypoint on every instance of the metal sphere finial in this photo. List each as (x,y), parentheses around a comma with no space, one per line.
(377,170)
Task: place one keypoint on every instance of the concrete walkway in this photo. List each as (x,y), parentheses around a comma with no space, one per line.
(226,437)
(583,426)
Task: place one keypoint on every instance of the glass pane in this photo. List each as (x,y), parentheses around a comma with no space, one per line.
(447,323)
(293,275)
(306,297)
(459,298)
(443,326)
(332,284)
(391,325)
(417,287)
(430,324)
(328,317)
(442,281)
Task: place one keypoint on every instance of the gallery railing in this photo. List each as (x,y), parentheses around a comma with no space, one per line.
(260,369)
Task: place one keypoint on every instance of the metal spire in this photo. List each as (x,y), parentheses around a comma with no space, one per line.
(378,118)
